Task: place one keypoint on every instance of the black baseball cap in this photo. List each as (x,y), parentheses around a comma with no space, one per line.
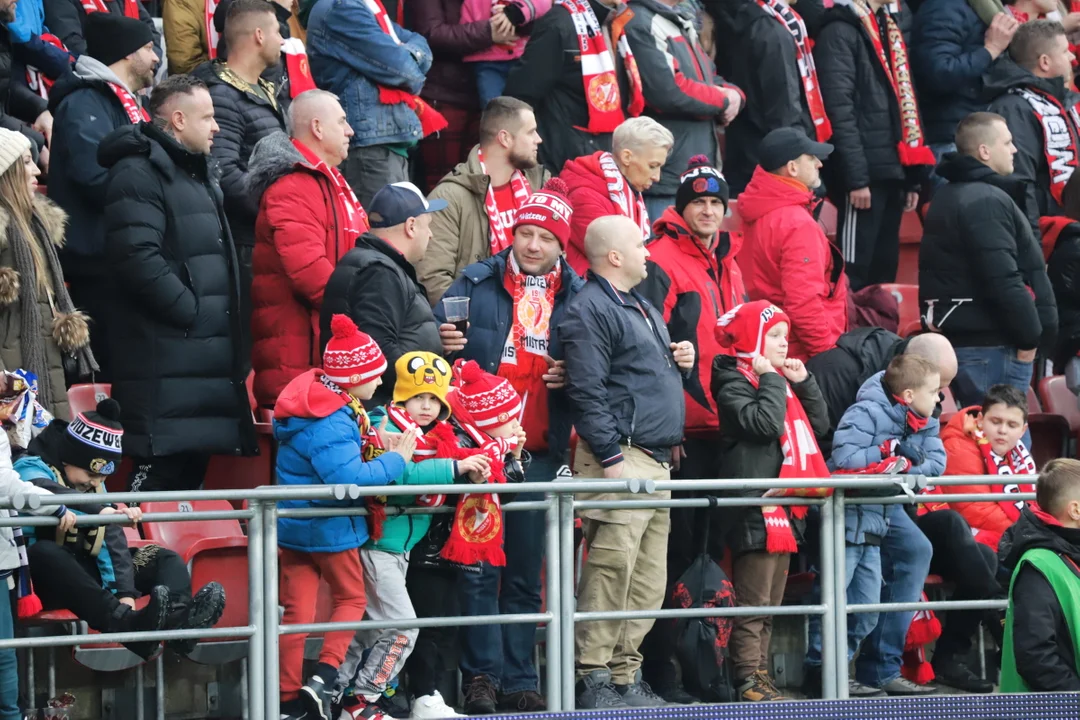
(783,145)
(398,202)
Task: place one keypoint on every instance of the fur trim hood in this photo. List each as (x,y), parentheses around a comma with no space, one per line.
(273,158)
(52,217)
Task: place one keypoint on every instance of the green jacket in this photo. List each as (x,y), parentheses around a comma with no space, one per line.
(402,532)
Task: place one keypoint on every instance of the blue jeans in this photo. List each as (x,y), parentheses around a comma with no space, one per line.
(905,563)
(983,367)
(491,79)
(9,665)
(504,653)
(863,566)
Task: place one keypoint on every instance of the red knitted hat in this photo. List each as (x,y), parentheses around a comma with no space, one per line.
(489,399)
(744,328)
(549,209)
(351,357)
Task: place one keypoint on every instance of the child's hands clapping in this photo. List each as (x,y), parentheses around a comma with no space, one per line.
(795,371)
(761,365)
(476,467)
(404,444)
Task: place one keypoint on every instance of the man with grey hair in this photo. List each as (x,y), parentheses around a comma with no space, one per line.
(308,219)
(625,386)
(612,183)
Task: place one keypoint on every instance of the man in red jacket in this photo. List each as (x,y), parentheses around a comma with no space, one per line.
(789,260)
(308,219)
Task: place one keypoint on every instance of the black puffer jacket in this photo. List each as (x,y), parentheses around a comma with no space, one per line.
(1063,268)
(861,105)
(19,105)
(244,119)
(979,264)
(726,28)
(751,424)
(1030,165)
(178,370)
(65,18)
(377,287)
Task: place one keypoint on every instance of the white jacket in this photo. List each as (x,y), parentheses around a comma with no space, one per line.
(10,486)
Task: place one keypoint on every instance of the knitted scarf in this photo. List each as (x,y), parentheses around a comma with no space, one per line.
(912,148)
(356,219)
(1061,148)
(629,202)
(28,603)
(134,111)
(804,60)
(925,628)
(297,67)
(1017,462)
(500,236)
(31,340)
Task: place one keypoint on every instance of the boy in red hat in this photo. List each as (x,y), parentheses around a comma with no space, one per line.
(770,409)
(325,437)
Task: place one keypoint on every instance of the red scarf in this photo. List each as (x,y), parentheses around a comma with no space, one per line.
(1017,462)
(912,148)
(431,121)
(500,236)
(438,442)
(629,202)
(802,459)
(804,60)
(598,67)
(36,80)
(1060,148)
(297,68)
(355,222)
(135,112)
(212,37)
(131,7)
(925,628)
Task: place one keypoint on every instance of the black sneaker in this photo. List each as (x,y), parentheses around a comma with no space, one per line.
(152,617)
(957,674)
(811,685)
(676,695)
(595,692)
(480,696)
(639,694)
(524,701)
(317,696)
(206,608)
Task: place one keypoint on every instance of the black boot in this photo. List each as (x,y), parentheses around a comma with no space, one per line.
(150,618)
(203,611)
(954,672)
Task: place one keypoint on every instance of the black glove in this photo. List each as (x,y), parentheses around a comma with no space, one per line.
(911,451)
(514,14)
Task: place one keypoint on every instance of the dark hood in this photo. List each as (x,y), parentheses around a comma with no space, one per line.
(1031,533)
(47,445)
(164,152)
(1005,75)
(87,73)
(957,168)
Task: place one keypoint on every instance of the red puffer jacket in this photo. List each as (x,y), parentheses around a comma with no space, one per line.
(299,238)
(693,287)
(791,263)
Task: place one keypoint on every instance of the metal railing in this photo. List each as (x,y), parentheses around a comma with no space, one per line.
(560,616)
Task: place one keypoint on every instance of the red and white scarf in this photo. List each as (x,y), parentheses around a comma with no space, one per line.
(131,7)
(36,80)
(630,202)
(1017,462)
(297,67)
(212,37)
(135,112)
(1061,148)
(500,235)
(431,121)
(912,148)
(802,459)
(924,629)
(598,67)
(805,61)
(356,219)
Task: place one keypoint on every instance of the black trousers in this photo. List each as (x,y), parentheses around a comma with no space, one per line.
(972,568)
(433,663)
(184,471)
(870,239)
(65,581)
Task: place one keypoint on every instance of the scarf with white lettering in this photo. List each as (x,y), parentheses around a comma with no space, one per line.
(131,7)
(1017,462)
(297,67)
(1061,135)
(500,235)
(804,59)
(132,108)
(630,202)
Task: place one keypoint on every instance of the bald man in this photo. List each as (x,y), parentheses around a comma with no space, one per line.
(308,219)
(625,386)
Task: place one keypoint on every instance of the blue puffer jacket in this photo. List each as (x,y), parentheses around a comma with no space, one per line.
(351,56)
(949,60)
(874,418)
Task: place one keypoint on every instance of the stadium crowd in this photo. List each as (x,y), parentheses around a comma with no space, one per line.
(487,241)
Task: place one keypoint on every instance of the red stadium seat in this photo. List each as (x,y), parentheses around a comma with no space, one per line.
(828,219)
(910,238)
(907,300)
(85,397)
(1034,406)
(1058,399)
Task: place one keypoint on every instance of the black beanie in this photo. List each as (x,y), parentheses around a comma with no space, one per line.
(93,440)
(110,38)
(701,179)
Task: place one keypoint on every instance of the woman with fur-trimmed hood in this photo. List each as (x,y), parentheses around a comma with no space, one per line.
(39,326)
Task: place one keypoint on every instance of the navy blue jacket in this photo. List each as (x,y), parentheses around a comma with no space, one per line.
(949,60)
(491,318)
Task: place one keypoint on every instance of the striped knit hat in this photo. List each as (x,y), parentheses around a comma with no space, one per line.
(351,357)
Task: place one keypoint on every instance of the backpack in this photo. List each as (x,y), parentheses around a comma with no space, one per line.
(703,642)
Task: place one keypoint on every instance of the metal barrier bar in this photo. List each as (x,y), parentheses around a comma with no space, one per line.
(121,519)
(258,651)
(693,503)
(948,497)
(128,637)
(270,610)
(829,656)
(405,623)
(568,595)
(707,612)
(838,579)
(938,605)
(554,596)
(392,510)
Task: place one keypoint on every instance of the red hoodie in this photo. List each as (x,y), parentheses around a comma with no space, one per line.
(307,397)
(693,288)
(791,263)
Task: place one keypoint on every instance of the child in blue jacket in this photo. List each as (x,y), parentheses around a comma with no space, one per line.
(890,429)
(326,437)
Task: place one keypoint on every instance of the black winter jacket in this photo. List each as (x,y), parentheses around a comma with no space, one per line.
(1042,644)
(726,28)
(1063,269)
(1030,165)
(178,367)
(65,18)
(19,105)
(244,119)
(377,287)
(751,424)
(548,77)
(622,380)
(769,75)
(979,263)
(861,105)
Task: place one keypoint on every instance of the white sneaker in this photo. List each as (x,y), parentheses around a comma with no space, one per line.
(431,707)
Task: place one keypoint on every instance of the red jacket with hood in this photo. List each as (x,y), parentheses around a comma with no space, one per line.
(693,287)
(791,263)
(299,238)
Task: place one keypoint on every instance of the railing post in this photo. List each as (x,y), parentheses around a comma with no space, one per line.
(828,599)
(567,595)
(840,593)
(270,609)
(553,578)
(256,659)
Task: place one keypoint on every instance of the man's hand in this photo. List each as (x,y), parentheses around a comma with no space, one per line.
(911,201)
(762,365)
(795,371)
(1071,22)
(683,352)
(43,159)
(860,199)
(734,104)
(129,601)
(614,472)
(67,521)
(1000,34)
(1026,355)
(502,30)
(452,339)
(678,454)
(555,377)
(43,125)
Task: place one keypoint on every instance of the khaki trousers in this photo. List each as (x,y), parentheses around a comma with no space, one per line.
(759,579)
(626,569)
